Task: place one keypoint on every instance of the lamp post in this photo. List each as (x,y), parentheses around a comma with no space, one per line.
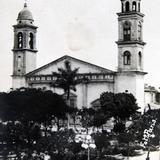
(87,142)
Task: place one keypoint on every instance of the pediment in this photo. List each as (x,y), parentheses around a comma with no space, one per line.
(84,67)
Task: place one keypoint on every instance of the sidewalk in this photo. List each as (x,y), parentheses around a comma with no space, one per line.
(153,156)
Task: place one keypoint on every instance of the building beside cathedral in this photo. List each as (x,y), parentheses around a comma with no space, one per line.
(129,76)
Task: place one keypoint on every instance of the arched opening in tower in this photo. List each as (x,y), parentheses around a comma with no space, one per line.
(127,58)
(20,40)
(140,59)
(139,31)
(31,40)
(127,31)
(127,6)
(134,6)
(139,7)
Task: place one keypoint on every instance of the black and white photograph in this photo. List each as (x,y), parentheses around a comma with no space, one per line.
(79,80)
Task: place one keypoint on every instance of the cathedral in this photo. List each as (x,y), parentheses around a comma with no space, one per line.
(128,78)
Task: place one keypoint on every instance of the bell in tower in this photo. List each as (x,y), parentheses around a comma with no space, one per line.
(24,50)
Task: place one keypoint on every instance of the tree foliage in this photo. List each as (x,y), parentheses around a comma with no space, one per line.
(66,78)
(101,140)
(142,122)
(27,115)
(86,117)
(121,106)
(34,105)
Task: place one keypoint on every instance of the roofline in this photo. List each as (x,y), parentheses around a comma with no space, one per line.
(149,90)
(65,57)
(130,13)
(24,26)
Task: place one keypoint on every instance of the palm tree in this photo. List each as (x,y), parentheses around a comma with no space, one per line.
(67,80)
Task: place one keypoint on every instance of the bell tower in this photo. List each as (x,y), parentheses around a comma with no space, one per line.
(24,49)
(130,50)
(130,39)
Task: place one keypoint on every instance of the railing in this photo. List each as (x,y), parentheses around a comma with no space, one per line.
(100,77)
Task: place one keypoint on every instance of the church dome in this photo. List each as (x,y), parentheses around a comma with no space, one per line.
(25,14)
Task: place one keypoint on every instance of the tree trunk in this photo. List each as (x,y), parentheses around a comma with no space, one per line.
(58,126)
(45,131)
(68,104)
(74,121)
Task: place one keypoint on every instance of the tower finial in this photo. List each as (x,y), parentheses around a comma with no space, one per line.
(25,4)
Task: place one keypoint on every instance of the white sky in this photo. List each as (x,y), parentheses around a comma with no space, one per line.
(85,29)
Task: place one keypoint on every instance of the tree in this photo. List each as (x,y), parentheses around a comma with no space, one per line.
(121,106)
(25,112)
(142,122)
(101,141)
(99,118)
(35,105)
(86,117)
(58,144)
(67,80)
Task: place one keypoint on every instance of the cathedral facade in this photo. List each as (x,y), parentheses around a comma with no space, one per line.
(128,78)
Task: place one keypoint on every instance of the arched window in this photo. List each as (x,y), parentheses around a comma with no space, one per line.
(20,40)
(127,31)
(127,58)
(139,7)
(139,31)
(122,8)
(140,59)
(127,7)
(134,6)
(31,40)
